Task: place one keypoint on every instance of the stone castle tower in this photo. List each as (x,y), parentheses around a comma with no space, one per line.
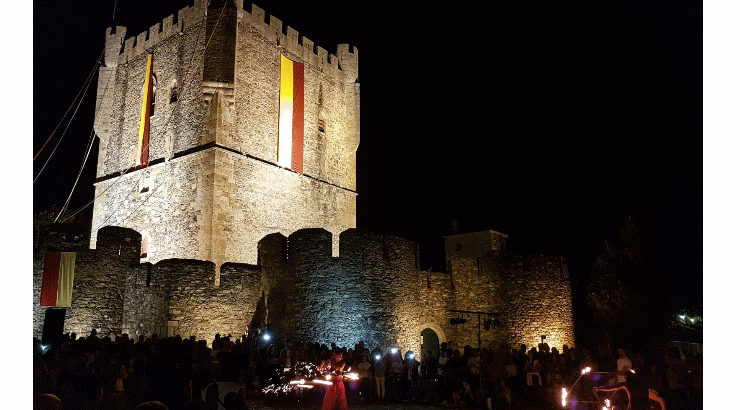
(225,197)
(218,128)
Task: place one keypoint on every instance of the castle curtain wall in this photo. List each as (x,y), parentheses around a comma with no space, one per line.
(373,291)
(236,239)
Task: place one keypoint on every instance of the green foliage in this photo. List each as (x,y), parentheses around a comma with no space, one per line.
(690,319)
(46,217)
(620,291)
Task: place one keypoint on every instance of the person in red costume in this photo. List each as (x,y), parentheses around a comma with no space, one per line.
(335,398)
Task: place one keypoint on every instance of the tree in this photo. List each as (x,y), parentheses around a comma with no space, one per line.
(47,217)
(623,288)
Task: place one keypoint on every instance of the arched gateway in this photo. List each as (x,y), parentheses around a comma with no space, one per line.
(432,336)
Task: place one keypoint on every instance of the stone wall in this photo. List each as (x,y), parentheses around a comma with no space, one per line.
(373,291)
(100,277)
(539,301)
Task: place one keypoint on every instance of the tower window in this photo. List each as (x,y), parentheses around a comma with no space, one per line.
(144,246)
(143,183)
(152,101)
(174,92)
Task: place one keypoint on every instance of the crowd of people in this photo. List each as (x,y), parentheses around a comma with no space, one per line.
(116,372)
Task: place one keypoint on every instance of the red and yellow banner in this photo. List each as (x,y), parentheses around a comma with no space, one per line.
(59,275)
(146,107)
(290,128)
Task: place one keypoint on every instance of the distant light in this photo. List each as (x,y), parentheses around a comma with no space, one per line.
(682,317)
(394,350)
(377,357)
(411,355)
(44,348)
(565,394)
(266,337)
(586,370)
(691,319)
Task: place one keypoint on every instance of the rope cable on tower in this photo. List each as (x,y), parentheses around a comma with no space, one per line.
(66,128)
(163,128)
(70,107)
(84,161)
(185,87)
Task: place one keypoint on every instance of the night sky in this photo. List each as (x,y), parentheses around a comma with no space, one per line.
(551,124)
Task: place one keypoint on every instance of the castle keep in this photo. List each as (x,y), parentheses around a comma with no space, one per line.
(225,197)
(205,150)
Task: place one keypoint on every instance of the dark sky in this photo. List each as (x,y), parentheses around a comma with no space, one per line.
(551,124)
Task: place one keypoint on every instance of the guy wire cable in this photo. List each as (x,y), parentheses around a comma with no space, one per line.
(84,161)
(92,139)
(163,128)
(65,129)
(70,107)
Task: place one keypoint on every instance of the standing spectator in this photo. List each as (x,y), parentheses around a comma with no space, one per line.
(442,375)
(397,377)
(379,372)
(473,366)
(675,379)
(624,365)
(428,370)
(532,369)
(413,380)
(365,372)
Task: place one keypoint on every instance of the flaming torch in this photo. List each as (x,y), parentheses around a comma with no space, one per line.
(320,381)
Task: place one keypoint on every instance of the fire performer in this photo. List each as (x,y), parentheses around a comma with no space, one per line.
(335,398)
(638,394)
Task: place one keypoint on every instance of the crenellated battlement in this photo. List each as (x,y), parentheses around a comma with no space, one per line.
(134,46)
(345,60)
(315,244)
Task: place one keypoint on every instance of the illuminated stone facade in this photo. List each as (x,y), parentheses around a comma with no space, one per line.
(234,239)
(213,187)
(373,291)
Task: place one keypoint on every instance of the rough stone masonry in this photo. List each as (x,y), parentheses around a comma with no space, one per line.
(206,233)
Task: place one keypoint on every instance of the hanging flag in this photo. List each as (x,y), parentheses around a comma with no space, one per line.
(59,274)
(146,107)
(290,127)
